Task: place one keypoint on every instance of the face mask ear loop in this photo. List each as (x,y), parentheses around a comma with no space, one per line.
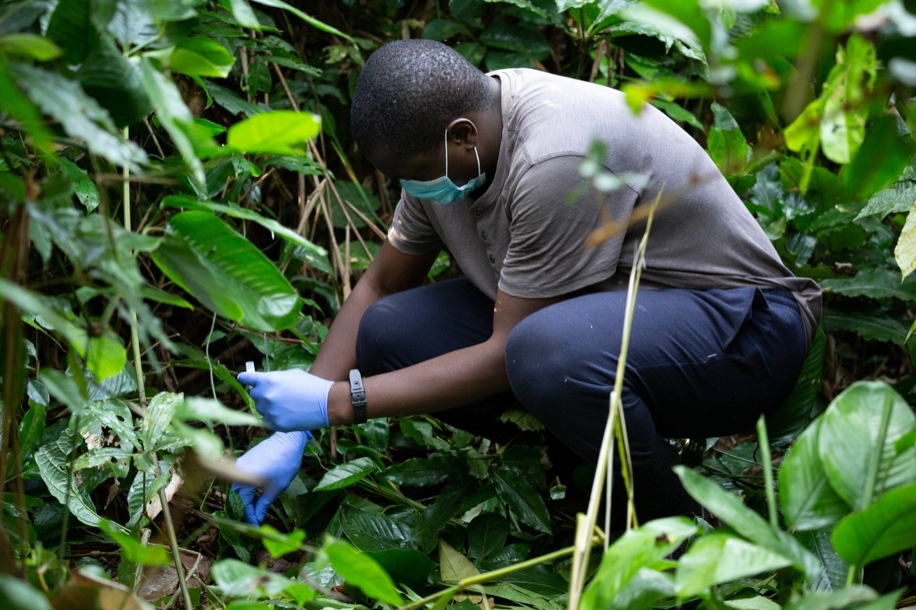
(478,161)
(446,152)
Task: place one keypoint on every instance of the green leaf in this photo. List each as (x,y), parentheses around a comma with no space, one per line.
(522,498)
(37,47)
(905,250)
(423,472)
(183,201)
(879,161)
(114,82)
(835,569)
(177,119)
(852,596)
(635,550)
(226,273)
(726,144)
(845,113)
(872,283)
(52,463)
(104,355)
(885,528)
(242,14)
(875,324)
(897,198)
(195,409)
(808,500)
(486,533)
(14,102)
(370,531)
(158,418)
(407,566)
(83,186)
(360,570)
(278,544)
(31,429)
(133,550)
(282,132)
(319,25)
(516,38)
(718,558)
(856,442)
(72,29)
(201,56)
(80,115)
(347,474)
(238,579)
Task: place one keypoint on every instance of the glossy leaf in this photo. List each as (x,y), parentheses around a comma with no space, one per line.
(314,251)
(408,566)
(346,474)
(115,82)
(635,550)
(856,443)
(282,132)
(883,529)
(719,558)
(226,273)
(52,463)
(31,429)
(808,500)
(360,570)
(201,56)
(522,498)
(420,472)
(486,533)
(369,531)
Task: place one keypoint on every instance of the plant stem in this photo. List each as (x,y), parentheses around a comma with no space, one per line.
(134,335)
(763,441)
(176,552)
(480,579)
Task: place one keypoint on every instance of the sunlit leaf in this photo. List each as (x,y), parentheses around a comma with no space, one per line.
(282,132)
(719,558)
(278,544)
(360,570)
(133,550)
(238,579)
(201,56)
(37,47)
(845,113)
(315,23)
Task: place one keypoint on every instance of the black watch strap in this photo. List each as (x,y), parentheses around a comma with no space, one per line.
(358,397)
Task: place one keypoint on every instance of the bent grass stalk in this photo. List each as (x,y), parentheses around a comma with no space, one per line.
(615,428)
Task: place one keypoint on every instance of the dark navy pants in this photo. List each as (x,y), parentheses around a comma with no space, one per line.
(700,363)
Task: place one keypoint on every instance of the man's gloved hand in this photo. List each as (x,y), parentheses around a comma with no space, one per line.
(276,460)
(290,400)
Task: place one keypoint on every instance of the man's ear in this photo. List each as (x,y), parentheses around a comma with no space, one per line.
(464,132)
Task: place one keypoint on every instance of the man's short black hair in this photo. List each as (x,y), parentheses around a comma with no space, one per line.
(407,94)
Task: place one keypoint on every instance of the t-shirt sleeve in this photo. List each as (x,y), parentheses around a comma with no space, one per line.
(411,231)
(547,254)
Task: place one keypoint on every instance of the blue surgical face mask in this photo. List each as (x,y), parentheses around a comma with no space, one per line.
(443,190)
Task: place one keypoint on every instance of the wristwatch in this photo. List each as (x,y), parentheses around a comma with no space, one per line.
(358,397)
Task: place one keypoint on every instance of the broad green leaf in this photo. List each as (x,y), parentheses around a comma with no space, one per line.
(31,429)
(196,409)
(845,113)
(80,115)
(407,566)
(114,82)
(15,102)
(65,389)
(83,186)
(133,550)
(315,23)
(238,579)
(159,415)
(232,102)
(451,500)
(133,23)
(278,544)
(717,558)
(835,569)
(37,47)
(201,56)
(242,14)
(879,325)
(791,418)
(346,474)
(17,594)
(104,355)
(52,463)
(885,528)
(897,198)
(423,472)
(635,550)
(360,570)
(642,592)
(808,500)
(856,443)
(282,132)
(369,531)
(183,201)
(486,533)
(522,498)
(72,29)
(226,273)
(677,112)
(98,457)
(852,596)
(453,566)
(726,143)
(510,37)
(114,415)
(905,250)
(872,283)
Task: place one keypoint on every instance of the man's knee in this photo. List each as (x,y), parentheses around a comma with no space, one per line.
(534,361)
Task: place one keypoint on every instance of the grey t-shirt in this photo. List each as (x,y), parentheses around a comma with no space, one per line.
(526,235)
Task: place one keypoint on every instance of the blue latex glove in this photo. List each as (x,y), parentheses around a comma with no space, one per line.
(290,400)
(275,460)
